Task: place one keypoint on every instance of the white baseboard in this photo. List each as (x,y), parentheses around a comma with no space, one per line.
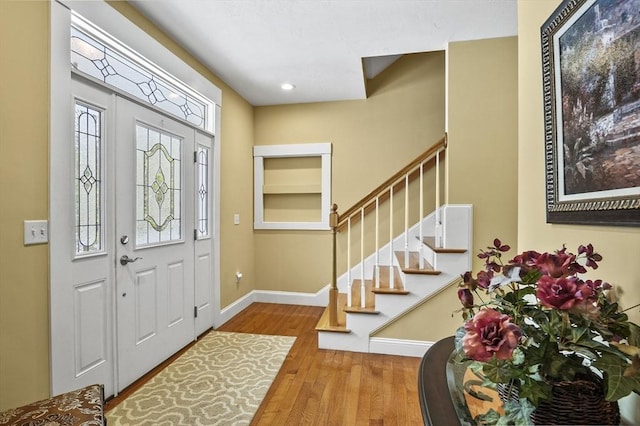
(321,298)
(383,345)
(379,345)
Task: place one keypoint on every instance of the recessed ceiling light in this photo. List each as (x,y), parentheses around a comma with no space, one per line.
(287,86)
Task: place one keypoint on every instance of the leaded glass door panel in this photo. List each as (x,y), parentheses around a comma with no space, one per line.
(155,249)
(81,269)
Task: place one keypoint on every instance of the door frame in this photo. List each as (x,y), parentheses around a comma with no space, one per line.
(61,117)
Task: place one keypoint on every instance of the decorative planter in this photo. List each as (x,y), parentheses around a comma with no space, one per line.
(578,402)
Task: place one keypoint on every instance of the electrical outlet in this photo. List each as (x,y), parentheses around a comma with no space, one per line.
(36,232)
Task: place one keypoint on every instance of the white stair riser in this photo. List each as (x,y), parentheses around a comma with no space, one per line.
(457,230)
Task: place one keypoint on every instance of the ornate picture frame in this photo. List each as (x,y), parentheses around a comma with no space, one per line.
(591,95)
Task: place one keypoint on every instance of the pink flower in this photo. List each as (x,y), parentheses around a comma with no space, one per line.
(555,265)
(562,293)
(484,279)
(490,333)
(466,297)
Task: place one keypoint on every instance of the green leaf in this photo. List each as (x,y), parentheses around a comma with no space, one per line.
(577,333)
(535,390)
(491,417)
(500,371)
(617,384)
(518,413)
(634,334)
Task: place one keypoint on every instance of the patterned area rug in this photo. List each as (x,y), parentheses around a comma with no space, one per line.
(221,380)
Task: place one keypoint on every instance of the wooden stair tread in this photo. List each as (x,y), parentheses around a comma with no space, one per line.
(359,310)
(323,323)
(356,291)
(431,243)
(384,287)
(414,264)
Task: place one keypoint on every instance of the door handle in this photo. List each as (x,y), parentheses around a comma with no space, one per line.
(126,259)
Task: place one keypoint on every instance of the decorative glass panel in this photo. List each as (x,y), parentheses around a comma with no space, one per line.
(119,68)
(202,192)
(158,186)
(88,187)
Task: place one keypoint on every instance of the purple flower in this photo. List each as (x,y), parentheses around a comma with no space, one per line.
(555,265)
(490,333)
(592,256)
(562,293)
(466,297)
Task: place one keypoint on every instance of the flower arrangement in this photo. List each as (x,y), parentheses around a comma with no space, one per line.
(533,320)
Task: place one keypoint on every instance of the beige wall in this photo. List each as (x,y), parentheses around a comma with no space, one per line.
(24,159)
(483,152)
(24,156)
(372,139)
(619,246)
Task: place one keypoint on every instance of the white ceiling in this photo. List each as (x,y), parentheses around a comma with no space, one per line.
(318,45)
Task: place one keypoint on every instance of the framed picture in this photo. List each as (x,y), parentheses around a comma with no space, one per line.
(591,85)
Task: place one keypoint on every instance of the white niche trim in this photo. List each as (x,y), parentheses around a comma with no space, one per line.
(323,187)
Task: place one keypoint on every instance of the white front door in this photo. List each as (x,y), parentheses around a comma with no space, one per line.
(131,241)
(155,249)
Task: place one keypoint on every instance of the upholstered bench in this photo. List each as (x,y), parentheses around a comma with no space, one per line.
(83,407)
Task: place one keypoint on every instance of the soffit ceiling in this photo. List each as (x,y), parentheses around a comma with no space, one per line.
(319,45)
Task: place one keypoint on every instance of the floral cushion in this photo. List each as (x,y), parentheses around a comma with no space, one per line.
(81,407)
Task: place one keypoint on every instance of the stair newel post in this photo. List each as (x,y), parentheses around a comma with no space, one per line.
(349,261)
(391,283)
(406,220)
(362,285)
(421,216)
(333,291)
(377,267)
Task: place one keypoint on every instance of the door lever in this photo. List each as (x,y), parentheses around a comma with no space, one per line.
(126,259)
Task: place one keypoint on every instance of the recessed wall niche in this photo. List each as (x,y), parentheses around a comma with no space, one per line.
(292,186)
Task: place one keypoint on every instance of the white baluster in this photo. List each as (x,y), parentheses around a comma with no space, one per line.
(406,220)
(377,267)
(391,283)
(349,261)
(420,231)
(363,302)
(438,236)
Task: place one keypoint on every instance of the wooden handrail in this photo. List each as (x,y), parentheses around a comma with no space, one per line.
(384,187)
(382,192)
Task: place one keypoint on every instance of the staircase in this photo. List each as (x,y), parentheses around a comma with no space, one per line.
(415,263)
(402,285)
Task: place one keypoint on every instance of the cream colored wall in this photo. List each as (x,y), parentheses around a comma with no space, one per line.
(24,156)
(483,136)
(372,139)
(619,246)
(24,159)
(483,152)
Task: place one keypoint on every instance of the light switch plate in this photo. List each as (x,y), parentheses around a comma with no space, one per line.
(236,219)
(36,232)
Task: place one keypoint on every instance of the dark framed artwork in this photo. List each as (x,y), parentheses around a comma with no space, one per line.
(591,86)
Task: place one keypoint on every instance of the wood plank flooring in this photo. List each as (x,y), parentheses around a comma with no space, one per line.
(327,387)
(323,387)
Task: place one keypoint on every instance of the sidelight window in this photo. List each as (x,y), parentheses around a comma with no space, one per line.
(88,179)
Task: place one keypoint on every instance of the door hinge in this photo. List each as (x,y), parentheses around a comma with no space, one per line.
(195,156)
(195,312)
(195,235)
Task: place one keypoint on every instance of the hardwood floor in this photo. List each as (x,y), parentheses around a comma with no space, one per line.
(327,387)
(322,387)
